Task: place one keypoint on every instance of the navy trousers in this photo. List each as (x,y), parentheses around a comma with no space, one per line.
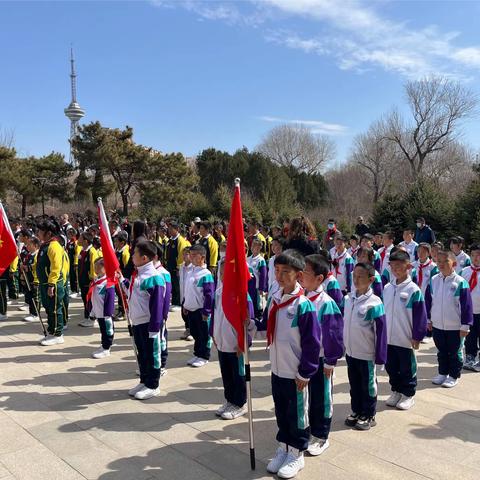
(148,355)
(472,340)
(321,403)
(164,346)
(363,386)
(450,355)
(232,368)
(199,329)
(401,367)
(107,331)
(291,410)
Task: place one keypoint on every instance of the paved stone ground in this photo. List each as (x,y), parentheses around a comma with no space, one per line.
(64,415)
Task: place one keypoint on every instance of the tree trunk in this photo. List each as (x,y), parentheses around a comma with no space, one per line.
(24,206)
(125,203)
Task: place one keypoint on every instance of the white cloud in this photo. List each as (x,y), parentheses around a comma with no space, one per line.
(315,126)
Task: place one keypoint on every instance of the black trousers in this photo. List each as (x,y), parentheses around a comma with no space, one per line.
(32,298)
(3,296)
(363,386)
(401,367)
(175,287)
(472,340)
(199,329)
(164,346)
(450,355)
(107,331)
(291,410)
(66,303)
(73,278)
(148,355)
(320,411)
(83,293)
(13,286)
(232,368)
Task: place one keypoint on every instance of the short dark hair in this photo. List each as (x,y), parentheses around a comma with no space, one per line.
(159,249)
(438,244)
(199,249)
(355,237)
(146,249)
(174,224)
(87,236)
(100,261)
(368,251)
(474,246)
(425,245)
(421,219)
(369,237)
(457,240)
(399,256)
(390,235)
(292,258)
(318,263)
(35,240)
(206,225)
(122,236)
(331,220)
(368,267)
(341,237)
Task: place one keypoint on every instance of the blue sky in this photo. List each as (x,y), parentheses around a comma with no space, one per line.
(187,75)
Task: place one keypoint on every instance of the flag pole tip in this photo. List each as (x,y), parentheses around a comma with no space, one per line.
(99,199)
(237,182)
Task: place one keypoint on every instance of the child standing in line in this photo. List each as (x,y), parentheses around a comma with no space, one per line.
(409,244)
(122,252)
(258,266)
(461,258)
(278,244)
(32,296)
(365,338)
(86,273)
(368,242)
(406,326)
(384,252)
(366,255)
(101,302)
(354,246)
(183,272)
(449,310)
(343,264)
(293,334)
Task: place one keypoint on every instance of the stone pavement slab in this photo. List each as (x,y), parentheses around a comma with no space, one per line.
(64,415)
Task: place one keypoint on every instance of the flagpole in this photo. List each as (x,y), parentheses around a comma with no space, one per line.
(7,225)
(248,381)
(122,296)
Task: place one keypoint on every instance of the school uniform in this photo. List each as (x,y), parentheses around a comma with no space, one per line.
(411,248)
(256,236)
(293,333)
(146,295)
(406,318)
(13,284)
(211,247)
(32,295)
(377,261)
(377,286)
(101,302)
(183,272)
(123,257)
(384,253)
(343,268)
(66,287)
(73,250)
(259,284)
(331,349)
(166,309)
(332,287)
(463,261)
(174,258)
(449,310)
(472,275)
(199,293)
(365,339)
(425,272)
(232,365)
(86,273)
(353,252)
(273,285)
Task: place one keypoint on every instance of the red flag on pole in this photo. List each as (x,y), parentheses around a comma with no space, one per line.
(8,246)
(236,274)
(109,257)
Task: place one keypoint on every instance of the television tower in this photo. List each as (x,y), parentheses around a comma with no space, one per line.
(74,112)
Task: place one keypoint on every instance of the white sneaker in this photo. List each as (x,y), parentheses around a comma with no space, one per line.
(222,409)
(439,379)
(292,464)
(233,412)
(163,372)
(426,340)
(133,391)
(137,372)
(101,353)
(476,367)
(450,382)
(24,308)
(9,302)
(74,295)
(192,360)
(31,318)
(52,340)
(3,317)
(317,446)
(277,461)
(199,362)
(405,403)
(88,322)
(393,399)
(146,393)
(174,308)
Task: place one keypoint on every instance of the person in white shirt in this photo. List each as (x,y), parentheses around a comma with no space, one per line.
(409,244)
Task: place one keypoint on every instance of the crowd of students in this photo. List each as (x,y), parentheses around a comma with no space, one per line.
(364,298)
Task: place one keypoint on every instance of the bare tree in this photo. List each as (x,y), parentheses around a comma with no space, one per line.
(438,106)
(377,156)
(7,137)
(296,146)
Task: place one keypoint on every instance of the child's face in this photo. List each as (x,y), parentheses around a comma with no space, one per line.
(84,242)
(378,239)
(475,257)
(445,264)
(353,243)
(455,248)
(435,251)
(203,231)
(363,258)
(387,241)
(310,281)
(287,276)
(31,247)
(407,237)
(99,269)
(365,243)
(138,259)
(339,245)
(400,269)
(276,247)
(186,257)
(197,259)
(361,280)
(422,254)
(276,232)
(256,248)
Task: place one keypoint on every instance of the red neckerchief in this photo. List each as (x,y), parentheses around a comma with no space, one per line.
(314,297)
(93,285)
(337,265)
(420,271)
(383,253)
(272,315)
(474,278)
(132,281)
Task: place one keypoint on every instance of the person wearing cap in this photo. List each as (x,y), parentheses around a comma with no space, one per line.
(423,233)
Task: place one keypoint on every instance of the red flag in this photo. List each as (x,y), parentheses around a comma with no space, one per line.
(236,274)
(109,257)
(8,246)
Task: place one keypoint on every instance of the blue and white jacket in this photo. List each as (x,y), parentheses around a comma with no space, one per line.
(449,303)
(102,303)
(183,272)
(475,293)
(168,289)
(411,249)
(295,350)
(259,268)
(365,329)
(463,261)
(331,326)
(145,297)
(199,291)
(273,285)
(405,313)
